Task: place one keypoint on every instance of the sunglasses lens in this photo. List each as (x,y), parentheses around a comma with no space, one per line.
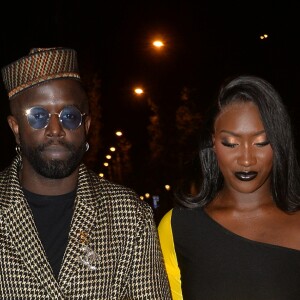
(37,117)
(71,117)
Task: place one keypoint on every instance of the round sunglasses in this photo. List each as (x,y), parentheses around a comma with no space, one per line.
(70,117)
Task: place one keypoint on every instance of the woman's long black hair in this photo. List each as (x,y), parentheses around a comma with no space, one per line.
(285,179)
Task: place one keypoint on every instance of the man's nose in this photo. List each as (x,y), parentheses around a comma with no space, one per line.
(54,127)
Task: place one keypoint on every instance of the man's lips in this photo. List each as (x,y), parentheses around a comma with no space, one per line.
(55,151)
(245,176)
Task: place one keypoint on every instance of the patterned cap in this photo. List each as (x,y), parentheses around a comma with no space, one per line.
(41,64)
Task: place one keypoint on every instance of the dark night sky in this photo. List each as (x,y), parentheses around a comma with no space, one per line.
(205,42)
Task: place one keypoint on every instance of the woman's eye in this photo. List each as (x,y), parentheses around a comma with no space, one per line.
(262,144)
(227,144)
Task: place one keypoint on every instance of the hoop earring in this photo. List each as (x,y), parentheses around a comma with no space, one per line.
(87,146)
(18,149)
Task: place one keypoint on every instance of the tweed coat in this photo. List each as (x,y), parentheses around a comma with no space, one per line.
(113,250)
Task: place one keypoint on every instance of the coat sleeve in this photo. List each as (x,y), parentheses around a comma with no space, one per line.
(169,254)
(148,277)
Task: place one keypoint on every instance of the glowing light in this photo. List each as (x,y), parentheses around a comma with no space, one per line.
(101,174)
(167,187)
(106,164)
(158,44)
(139,91)
(264,36)
(112,149)
(108,156)
(147,195)
(119,133)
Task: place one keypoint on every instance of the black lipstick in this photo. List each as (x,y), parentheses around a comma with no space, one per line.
(245,176)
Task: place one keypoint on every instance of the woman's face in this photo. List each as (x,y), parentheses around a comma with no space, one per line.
(242,148)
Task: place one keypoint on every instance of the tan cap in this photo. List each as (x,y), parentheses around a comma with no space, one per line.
(40,65)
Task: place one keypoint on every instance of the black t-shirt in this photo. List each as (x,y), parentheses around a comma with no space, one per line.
(52,216)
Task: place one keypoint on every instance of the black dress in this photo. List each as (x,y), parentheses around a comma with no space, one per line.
(217,264)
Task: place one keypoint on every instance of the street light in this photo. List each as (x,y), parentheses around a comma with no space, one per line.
(264,36)
(167,187)
(118,165)
(138,91)
(158,44)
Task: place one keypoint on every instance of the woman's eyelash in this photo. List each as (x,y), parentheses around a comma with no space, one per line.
(262,144)
(232,145)
(227,144)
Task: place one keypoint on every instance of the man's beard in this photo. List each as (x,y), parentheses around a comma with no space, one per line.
(54,169)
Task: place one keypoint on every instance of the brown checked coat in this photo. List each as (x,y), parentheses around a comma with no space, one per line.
(113,250)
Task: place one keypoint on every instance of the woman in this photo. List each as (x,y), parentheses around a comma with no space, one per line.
(238,236)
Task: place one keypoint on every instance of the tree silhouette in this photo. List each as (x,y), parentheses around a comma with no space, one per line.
(91,157)
(154,132)
(189,120)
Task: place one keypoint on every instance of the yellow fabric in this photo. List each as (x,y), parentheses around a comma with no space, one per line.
(168,249)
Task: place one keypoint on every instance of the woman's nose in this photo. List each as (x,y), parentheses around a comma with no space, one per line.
(247,156)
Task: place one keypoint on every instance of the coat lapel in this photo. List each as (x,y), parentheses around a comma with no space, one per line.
(79,248)
(24,237)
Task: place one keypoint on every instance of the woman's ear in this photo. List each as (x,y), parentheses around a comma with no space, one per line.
(213,141)
(14,126)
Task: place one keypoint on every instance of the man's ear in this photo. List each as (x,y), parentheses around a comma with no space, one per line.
(87,123)
(14,126)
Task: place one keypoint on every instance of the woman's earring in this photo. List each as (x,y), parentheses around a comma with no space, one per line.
(87,146)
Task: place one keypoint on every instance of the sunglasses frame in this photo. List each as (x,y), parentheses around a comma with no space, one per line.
(28,113)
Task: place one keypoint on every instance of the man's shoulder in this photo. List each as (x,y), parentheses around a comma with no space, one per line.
(121,195)
(9,175)
(118,195)
(110,188)
(123,205)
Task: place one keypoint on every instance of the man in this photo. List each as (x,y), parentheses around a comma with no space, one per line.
(65,233)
